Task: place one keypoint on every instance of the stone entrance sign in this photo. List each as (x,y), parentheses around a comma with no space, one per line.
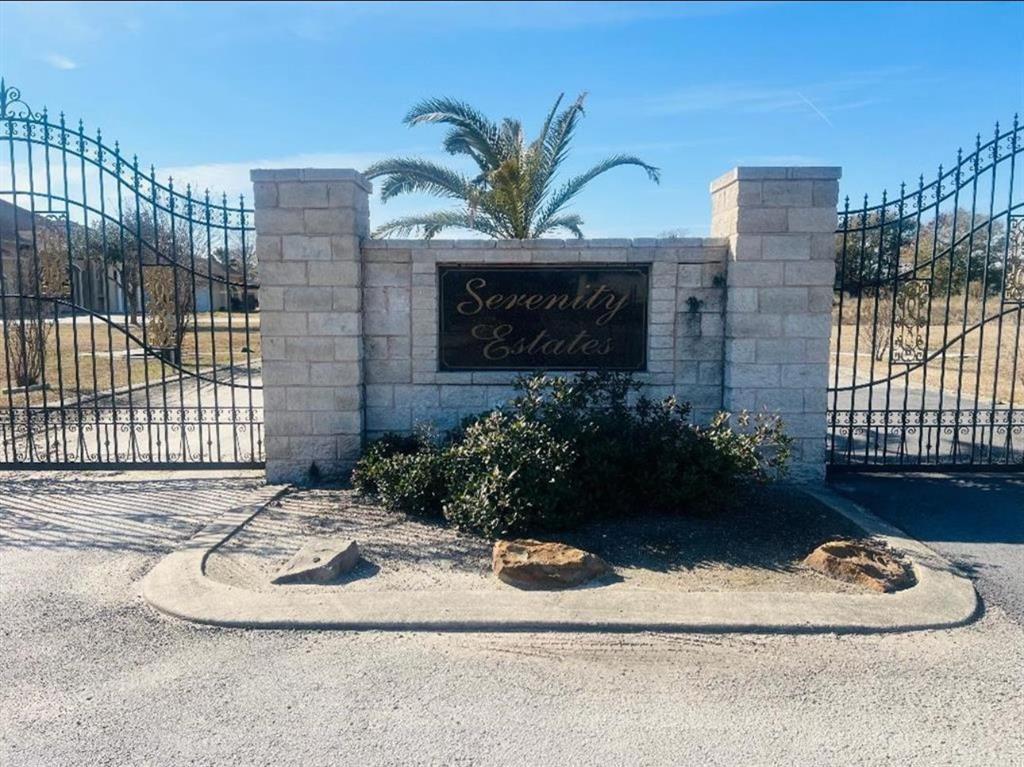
(364,336)
(578,317)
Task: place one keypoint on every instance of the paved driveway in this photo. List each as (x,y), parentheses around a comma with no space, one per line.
(976,520)
(931,412)
(90,676)
(182,416)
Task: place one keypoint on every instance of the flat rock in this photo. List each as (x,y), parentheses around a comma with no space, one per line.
(529,564)
(319,562)
(863,562)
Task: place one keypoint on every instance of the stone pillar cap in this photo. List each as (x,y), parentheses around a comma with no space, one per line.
(310,174)
(777,173)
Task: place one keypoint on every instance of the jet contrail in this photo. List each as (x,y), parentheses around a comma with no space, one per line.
(816,110)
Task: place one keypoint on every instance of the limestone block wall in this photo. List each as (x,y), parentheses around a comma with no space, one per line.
(400,294)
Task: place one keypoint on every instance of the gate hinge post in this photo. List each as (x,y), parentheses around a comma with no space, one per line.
(780,223)
(309,225)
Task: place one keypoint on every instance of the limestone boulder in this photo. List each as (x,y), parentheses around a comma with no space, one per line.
(863,562)
(536,565)
(319,562)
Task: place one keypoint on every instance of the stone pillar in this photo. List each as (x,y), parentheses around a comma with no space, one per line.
(779,282)
(309,224)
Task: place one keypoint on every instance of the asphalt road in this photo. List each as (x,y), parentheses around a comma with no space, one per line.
(975,520)
(89,675)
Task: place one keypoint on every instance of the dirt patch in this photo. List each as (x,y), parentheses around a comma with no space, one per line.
(757,545)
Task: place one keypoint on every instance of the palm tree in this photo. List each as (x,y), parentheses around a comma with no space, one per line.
(514,195)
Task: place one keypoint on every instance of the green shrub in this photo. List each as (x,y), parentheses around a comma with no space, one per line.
(367,471)
(509,474)
(405,473)
(413,483)
(635,454)
(566,450)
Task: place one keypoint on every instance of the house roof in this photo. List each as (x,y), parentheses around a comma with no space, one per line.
(204,265)
(10,212)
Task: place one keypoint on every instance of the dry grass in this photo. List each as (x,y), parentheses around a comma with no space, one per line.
(93,356)
(981,364)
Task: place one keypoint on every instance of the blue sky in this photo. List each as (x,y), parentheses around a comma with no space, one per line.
(207,91)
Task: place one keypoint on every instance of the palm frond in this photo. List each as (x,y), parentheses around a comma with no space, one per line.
(456,142)
(570,222)
(574,185)
(539,170)
(557,145)
(542,137)
(405,174)
(510,139)
(430,224)
(507,195)
(448,110)
(472,126)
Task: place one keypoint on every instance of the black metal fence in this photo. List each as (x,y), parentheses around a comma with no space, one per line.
(128,307)
(927,358)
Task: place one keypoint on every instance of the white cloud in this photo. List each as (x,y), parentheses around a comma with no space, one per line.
(57,61)
(232,178)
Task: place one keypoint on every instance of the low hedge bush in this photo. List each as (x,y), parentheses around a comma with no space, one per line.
(509,473)
(405,473)
(567,450)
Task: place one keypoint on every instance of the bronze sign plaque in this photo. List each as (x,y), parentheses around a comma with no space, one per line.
(571,317)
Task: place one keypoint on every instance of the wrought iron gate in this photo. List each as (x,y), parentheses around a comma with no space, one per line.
(130,336)
(927,358)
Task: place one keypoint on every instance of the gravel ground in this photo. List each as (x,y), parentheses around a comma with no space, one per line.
(91,676)
(757,546)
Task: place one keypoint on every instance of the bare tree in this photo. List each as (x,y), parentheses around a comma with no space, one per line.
(170,305)
(44,279)
(875,336)
(145,241)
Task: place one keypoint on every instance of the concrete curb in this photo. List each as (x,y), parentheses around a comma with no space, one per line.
(178,587)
